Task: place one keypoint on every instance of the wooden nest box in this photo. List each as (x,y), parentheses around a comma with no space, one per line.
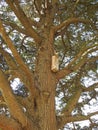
(55,63)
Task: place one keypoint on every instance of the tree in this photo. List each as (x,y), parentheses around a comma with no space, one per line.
(32,32)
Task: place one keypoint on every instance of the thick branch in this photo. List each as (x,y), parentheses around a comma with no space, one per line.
(70,21)
(16,27)
(24,20)
(14,70)
(19,61)
(81,57)
(72,102)
(9,59)
(13,105)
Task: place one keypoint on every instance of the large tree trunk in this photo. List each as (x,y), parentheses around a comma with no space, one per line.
(45,82)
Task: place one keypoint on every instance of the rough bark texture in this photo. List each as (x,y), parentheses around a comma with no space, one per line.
(46,86)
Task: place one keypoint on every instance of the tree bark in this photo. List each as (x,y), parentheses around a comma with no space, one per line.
(46,83)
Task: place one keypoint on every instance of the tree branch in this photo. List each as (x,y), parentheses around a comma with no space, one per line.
(90,88)
(83,61)
(38,5)
(80,57)
(19,61)
(9,59)
(24,20)
(13,105)
(16,27)
(14,70)
(70,21)
(63,119)
(72,102)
